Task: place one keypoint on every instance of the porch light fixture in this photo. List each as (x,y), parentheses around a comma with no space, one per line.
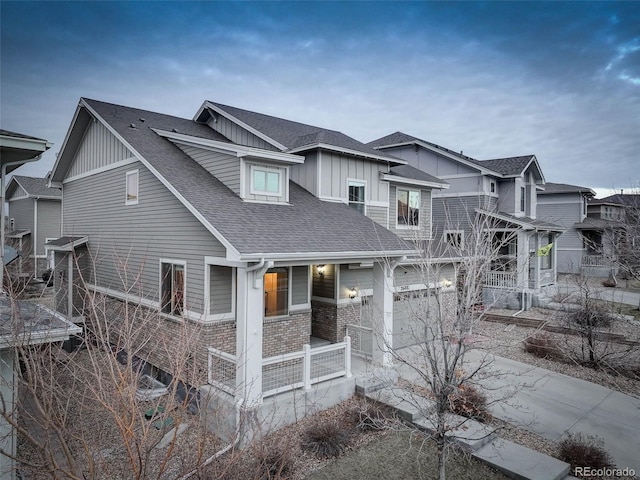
(320,269)
(352,293)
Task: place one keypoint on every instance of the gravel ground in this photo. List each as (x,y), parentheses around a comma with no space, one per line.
(507,341)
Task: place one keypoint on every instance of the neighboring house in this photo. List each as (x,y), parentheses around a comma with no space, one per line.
(610,229)
(566,205)
(269,234)
(503,193)
(34,219)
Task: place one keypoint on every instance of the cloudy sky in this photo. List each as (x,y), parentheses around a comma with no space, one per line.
(494,79)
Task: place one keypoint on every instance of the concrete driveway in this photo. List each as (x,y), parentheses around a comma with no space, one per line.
(552,405)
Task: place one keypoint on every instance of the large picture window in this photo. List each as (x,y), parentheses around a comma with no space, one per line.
(265,181)
(172,287)
(356,195)
(276,292)
(408,208)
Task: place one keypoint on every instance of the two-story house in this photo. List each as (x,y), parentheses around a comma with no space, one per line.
(609,232)
(498,196)
(34,219)
(566,205)
(269,234)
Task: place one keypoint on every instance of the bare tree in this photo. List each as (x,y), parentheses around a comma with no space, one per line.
(442,319)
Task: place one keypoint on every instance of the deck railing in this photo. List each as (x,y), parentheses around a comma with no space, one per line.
(286,372)
(593,261)
(361,340)
(501,279)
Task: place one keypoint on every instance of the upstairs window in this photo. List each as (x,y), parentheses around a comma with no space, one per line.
(172,287)
(454,238)
(356,195)
(265,181)
(132,188)
(408,208)
(492,186)
(523,198)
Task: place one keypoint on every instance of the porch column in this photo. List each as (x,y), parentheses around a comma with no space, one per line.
(522,253)
(383,313)
(250,312)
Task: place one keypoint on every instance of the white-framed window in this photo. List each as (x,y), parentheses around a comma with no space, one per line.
(132,188)
(454,238)
(356,194)
(492,186)
(276,292)
(408,208)
(523,198)
(266,181)
(172,286)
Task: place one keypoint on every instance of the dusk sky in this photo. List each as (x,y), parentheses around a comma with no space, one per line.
(493,79)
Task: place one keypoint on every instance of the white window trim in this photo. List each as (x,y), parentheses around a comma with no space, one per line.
(366,189)
(409,227)
(266,169)
(183,263)
(453,232)
(288,314)
(207,300)
(135,172)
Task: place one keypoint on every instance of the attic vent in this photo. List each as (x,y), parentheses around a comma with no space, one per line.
(142,120)
(133,125)
(174,130)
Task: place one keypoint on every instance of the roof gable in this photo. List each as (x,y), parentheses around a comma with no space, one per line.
(33,187)
(343,230)
(291,136)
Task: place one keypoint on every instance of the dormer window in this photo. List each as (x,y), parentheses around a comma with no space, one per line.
(266,181)
(356,195)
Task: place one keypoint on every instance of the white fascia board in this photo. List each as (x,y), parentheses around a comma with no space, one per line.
(410,181)
(525,225)
(231,250)
(336,257)
(237,150)
(61,156)
(348,151)
(31,144)
(257,133)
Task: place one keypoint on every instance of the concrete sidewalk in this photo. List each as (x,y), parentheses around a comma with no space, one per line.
(552,405)
(618,294)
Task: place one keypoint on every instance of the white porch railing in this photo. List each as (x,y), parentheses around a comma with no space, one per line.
(501,279)
(546,277)
(361,340)
(592,261)
(222,370)
(286,372)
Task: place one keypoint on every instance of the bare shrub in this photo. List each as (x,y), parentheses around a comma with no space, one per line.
(369,416)
(584,451)
(273,462)
(326,439)
(470,402)
(609,283)
(542,345)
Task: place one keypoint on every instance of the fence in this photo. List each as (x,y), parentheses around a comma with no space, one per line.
(288,371)
(361,340)
(500,279)
(592,261)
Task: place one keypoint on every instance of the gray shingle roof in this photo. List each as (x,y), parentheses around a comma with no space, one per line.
(307,225)
(36,187)
(526,222)
(550,188)
(407,171)
(294,135)
(503,166)
(507,166)
(626,199)
(8,133)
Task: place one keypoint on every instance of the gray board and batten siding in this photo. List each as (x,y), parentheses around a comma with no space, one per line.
(238,134)
(122,237)
(99,148)
(306,174)
(432,162)
(336,168)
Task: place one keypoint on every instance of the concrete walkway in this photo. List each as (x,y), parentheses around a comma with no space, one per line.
(552,405)
(618,294)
